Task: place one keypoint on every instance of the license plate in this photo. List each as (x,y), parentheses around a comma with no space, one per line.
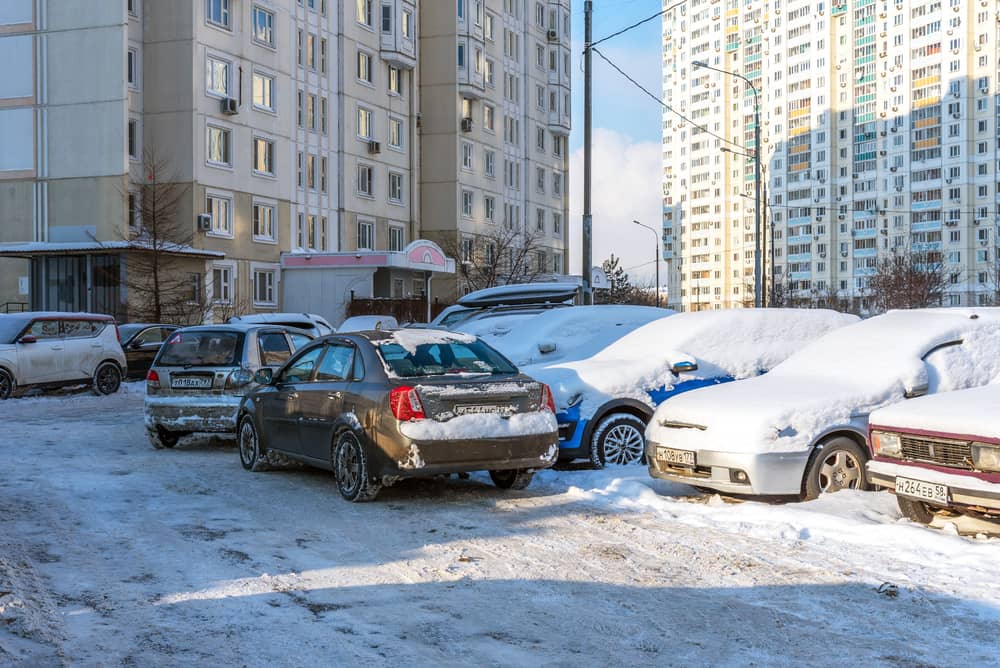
(478,409)
(188,382)
(672,456)
(927,491)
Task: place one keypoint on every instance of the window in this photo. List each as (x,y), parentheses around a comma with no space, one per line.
(310,171)
(217,76)
(366,235)
(263,26)
(322,174)
(263,156)
(540,138)
(467,203)
(488,29)
(489,114)
(364,123)
(387,18)
(263,286)
(395,80)
(490,73)
(468,249)
(133,139)
(461,9)
(396,238)
(405,24)
(466,155)
(461,56)
(490,208)
(133,7)
(490,163)
(132,68)
(134,212)
(220,208)
(217,13)
(395,133)
(365,13)
(364,67)
(557,184)
(263,222)
(540,179)
(557,225)
(395,187)
(219,146)
(365,181)
(222,284)
(194,281)
(337,363)
(540,220)
(263,91)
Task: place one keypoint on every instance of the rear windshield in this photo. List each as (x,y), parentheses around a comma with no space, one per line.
(201,348)
(10,327)
(436,359)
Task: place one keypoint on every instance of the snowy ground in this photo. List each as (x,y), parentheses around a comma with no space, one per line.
(113,554)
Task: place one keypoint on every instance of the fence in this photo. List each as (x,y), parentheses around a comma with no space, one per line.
(404,310)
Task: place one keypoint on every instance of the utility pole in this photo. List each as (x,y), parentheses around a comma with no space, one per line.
(587,260)
(758,294)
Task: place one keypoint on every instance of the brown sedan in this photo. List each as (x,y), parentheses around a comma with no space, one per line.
(375,407)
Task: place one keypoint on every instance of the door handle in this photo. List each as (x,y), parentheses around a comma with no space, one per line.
(335,395)
(97,344)
(57,347)
(293,395)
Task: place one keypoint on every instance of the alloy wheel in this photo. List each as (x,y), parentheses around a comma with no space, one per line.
(840,470)
(623,444)
(248,444)
(349,465)
(108,379)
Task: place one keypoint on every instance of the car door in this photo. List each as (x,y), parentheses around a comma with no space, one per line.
(280,407)
(323,402)
(274,348)
(40,360)
(83,348)
(142,348)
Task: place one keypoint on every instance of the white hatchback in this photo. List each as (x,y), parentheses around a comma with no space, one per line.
(51,349)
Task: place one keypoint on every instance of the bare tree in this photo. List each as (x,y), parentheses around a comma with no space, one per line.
(905,279)
(499,257)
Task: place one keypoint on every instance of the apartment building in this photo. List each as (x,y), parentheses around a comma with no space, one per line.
(878,124)
(495,80)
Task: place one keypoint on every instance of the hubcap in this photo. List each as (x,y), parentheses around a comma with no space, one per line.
(348,466)
(840,470)
(248,443)
(623,444)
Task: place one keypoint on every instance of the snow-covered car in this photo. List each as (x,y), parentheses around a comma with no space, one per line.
(604,401)
(801,429)
(53,349)
(363,323)
(375,407)
(314,325)
(940,453)
(528,298)
(201,373)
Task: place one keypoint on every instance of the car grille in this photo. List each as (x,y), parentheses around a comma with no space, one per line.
(956,454)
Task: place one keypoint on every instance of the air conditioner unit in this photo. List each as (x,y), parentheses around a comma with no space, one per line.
(374,147)
(881,152)
(466,124)
(984,90)
(948,181)
(881,212)
(840,217)
(951,223)
(229,106)
(956,115)
(843,253)
(553,35)
(822,255)
(882,133)
(204,222)
(892,169)
(983,242)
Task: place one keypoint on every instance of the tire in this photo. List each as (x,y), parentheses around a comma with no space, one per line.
(915,510)
(512,478)
(107,378)
(7,384)
(838,463)
(160,438)
(253,457)
(620,438)
(350,466)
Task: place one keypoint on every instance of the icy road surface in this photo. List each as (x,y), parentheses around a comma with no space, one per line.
(114,554)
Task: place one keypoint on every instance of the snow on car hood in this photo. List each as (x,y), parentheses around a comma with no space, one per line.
(971,412)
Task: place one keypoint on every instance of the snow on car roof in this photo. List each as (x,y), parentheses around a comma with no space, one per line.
(969,412)
(519,293)
(410,339)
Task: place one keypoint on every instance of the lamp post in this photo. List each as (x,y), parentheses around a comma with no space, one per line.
(757,292)
(656,248)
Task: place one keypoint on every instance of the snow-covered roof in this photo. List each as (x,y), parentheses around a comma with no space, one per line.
(45,247)
(971,412)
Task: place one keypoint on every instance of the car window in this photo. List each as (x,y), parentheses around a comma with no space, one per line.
(299,340)
(75,329)
(153,335)
(301,369)
(435,359)
(201,348)
(44,329)
(336,363)
(274,348)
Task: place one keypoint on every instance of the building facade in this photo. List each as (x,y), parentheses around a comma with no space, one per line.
(878,124)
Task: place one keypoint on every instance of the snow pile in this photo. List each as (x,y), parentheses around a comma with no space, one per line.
(971,412)
(846,374)
(566,333)
(486,425)
(25,610)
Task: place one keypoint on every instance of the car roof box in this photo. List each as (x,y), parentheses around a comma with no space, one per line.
(525,293)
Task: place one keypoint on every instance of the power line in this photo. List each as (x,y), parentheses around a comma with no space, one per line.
(635,25)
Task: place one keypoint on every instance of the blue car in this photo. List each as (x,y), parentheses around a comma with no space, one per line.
(604,400)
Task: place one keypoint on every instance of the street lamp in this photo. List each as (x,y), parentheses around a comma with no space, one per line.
(656,248)
(757,292)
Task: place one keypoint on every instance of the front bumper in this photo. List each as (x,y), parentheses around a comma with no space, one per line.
(209,414)
(963,491)
(424,458)
(773,473)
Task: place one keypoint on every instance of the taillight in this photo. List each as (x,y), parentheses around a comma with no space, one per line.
(405,404)
(547,401)
(118,333)
(153,379)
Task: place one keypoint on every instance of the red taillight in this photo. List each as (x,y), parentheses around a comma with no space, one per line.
(547,402)
(118,333)
(405,404)
(152,379)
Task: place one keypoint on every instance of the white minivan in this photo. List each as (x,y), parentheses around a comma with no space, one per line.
(52,349)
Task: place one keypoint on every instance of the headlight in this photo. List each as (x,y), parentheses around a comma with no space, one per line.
(886,444)
(986,457)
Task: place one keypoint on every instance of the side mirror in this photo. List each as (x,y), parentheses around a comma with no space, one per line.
(135,345)
(263,376)
(683,367)
(915,391)
(27,338)
(545,347)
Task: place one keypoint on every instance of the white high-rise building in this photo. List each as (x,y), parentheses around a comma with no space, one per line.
(879,134)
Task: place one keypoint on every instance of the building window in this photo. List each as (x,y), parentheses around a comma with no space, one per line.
(133,139)
(490,163)
(467,203)
(222,284)
(557,184)
(405,25)
(557,224)
(461,56)
(366,235)
(364,67)
(395,187)
(263,222)
(134,213)
(557,264)
(219,146)
(133,7)
(194,281)
(322,174)
(460,9)
(263,91)
(263,26)
(468,246)
(365,13)
(310,171)
(132,68)
(540,220)
(490,208)
(396,133)
(467,155)
(263,156)
(489,114)
(491,68)
(217,13)
(263,287)
(396,238)
(220,208)
(387,18)
(395,80)
(364,123)
(217,76)
(557,146)
(365,181)
(488,30)
(540,179)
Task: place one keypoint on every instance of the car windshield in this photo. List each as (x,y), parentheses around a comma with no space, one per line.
(456,317)
(10,327)
(201,348)
(126,332)
(446,357)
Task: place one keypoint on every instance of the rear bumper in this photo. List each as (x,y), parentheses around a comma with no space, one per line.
(963,491)
(774,473)
(209,414)
(535,451)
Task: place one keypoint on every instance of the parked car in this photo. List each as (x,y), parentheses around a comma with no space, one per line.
(375,407)
(49,350)
(201,373)
(363,323)
(940,453)
(801,429)
(506,299)
(314,325)
(141,342)
(605,400)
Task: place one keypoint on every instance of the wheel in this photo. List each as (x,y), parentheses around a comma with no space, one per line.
(107,378)
(915,510)
(350,465)
(620,438)
(252,455)
(161,438)
(512,478)
(6,384)
(839,463)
